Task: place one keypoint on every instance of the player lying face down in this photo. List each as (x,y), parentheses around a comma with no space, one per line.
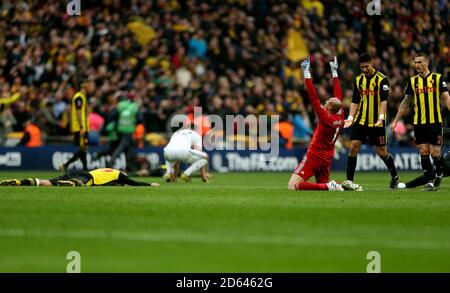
(97,177)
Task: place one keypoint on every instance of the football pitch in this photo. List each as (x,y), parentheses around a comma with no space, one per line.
(239,222)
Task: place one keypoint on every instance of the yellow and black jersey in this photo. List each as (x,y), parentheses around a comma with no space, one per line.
(99,177)
(426,92)
(79,103)
(369,93)
(106,176)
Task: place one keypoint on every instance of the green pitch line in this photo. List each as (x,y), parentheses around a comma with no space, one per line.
(239,222)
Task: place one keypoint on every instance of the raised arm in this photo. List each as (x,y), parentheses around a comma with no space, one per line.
(337,89)
(312,94)
(10,100)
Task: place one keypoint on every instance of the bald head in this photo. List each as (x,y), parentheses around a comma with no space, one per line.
(333,105)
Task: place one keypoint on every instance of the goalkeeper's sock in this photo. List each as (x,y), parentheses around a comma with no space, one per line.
(427,168)
(439,164)
(310,186)
(28,182)
(389,162)
(351,166)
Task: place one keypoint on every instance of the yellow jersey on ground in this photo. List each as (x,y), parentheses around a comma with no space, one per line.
(105,176)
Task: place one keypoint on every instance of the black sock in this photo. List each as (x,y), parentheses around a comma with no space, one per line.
(83,157)
(427,169)
(389,161)
(419,181)
(351,166)
(75,157)
(439,164)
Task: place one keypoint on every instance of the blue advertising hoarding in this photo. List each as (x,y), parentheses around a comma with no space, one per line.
(51,157)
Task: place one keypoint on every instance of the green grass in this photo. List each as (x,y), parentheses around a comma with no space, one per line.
(240,222)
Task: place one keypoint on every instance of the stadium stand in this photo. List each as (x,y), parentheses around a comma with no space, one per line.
(229,57)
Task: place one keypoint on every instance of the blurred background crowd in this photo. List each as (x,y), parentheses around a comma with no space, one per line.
(226,56)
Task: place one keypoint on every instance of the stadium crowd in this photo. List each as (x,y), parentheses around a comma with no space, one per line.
(227,56)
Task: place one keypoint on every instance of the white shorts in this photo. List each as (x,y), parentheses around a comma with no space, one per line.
(183,155)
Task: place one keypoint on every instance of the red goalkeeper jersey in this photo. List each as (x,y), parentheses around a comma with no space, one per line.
(329,126)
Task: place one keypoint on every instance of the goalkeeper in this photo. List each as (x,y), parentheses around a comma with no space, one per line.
(97,177)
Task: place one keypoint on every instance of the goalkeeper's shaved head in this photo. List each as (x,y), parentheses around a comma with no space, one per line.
(333,105)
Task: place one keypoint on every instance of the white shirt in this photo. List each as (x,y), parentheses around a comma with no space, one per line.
(185,139)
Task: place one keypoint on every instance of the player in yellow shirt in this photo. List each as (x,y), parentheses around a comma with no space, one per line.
(97,177)
(79,117)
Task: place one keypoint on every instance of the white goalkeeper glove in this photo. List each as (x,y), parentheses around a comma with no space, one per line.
(305,67)
(334,67)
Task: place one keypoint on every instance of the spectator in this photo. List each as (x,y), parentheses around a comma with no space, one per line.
(7,121)
(128,112)
(302,129)
(204,50)
(96,123)
(31,135)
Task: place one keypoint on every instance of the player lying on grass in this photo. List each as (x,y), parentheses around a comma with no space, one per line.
(97,177)
(185,146)
(317,161)
(424,179)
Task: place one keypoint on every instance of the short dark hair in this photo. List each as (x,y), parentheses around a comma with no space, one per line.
(421,54)
(364,57)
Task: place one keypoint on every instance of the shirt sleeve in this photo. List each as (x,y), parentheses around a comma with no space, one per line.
(408,89)
(125,180)
(384,90)
(312,94)
(337,89)
(78,102)
(442,86)
(356,94)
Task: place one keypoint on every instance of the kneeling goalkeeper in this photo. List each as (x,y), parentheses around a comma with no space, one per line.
(317,161)
(97,177)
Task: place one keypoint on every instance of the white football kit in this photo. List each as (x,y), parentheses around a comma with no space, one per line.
(185,146)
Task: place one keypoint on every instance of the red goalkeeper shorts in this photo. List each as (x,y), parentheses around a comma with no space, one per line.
(311,166)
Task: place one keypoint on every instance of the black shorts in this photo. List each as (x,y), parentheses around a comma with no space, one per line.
(429,134)
(80,140)
(377,135)
(83,176)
